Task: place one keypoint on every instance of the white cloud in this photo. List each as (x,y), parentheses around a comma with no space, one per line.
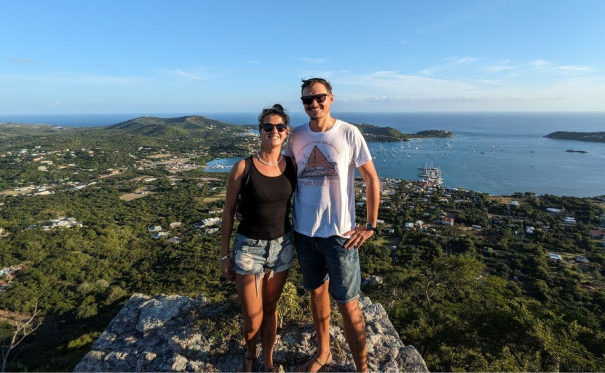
(461,60)
(70,78)
(315,61)
(394,84)
(540,64)
(391,90)
(497,68)
(574,68)
(403,42)
(493,82)
(195,74)
(24,61)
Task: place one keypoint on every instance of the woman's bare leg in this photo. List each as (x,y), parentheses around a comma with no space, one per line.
(250,290)
(272,289)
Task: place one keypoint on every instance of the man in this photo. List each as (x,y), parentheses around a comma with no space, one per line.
(327,151)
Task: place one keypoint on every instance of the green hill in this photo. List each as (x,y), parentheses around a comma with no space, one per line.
(387,134)
(190,126)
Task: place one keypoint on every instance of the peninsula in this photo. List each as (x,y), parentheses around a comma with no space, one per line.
(578,136)
(389,134)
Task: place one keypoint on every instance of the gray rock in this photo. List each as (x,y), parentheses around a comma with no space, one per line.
(160,334)
(156,312)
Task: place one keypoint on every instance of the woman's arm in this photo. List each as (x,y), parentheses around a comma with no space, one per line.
(234,183)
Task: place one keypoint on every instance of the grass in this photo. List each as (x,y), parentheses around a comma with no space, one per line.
(218,197)
(386,241)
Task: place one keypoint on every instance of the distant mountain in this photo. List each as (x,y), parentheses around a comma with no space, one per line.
(578,136)
(195,126)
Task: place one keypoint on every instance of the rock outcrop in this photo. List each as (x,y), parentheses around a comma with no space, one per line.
(163,333)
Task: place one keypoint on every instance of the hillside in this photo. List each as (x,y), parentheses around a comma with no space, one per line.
(190,126)
(389,134)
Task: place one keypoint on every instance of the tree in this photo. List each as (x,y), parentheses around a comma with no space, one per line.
(22,330)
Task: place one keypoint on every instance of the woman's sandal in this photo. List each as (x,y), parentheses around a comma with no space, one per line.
(305,367)
(242,367)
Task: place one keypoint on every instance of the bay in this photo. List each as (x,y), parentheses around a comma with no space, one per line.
(496,153)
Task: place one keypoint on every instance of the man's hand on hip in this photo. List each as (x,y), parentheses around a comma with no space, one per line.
(358,236)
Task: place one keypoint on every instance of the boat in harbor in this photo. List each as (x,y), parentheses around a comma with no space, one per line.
(431,174)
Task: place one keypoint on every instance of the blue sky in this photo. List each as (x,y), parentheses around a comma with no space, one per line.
(185,56)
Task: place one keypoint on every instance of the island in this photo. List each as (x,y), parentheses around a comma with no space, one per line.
(578,136)
(373,133)
(576,151)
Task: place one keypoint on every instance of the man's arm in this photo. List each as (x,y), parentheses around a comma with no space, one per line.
(360,233)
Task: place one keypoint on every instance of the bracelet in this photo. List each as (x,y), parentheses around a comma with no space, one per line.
(225,257)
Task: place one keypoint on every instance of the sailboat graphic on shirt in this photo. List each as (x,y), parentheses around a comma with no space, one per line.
(318,166)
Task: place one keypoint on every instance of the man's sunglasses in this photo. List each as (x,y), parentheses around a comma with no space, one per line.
(268,127)
(308,100)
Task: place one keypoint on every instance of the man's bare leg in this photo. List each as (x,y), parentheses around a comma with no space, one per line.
(355,333)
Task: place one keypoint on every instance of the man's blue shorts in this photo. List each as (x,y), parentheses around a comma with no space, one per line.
(323,258)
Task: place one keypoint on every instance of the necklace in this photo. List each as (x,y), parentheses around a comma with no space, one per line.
(267,163)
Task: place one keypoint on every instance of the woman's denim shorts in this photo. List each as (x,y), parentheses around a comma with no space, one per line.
(252,256)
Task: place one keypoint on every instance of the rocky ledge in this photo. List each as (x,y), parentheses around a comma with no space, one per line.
(155,334)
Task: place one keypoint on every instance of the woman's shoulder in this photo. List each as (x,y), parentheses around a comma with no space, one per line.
(241,166)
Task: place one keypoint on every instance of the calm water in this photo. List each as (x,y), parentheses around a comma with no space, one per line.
(497,153)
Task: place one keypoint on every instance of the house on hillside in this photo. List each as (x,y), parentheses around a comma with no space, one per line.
(211,231)
(569,220)
(158,235)
(207,223)
(597,233)
(581,259)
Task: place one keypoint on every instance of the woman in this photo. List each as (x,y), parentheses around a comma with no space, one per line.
(263,247)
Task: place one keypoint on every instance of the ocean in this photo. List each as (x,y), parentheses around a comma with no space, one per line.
(496,153)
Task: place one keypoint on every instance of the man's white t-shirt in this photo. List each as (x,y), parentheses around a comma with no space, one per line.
(324,201)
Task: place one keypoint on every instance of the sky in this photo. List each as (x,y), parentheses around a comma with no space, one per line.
(196,56)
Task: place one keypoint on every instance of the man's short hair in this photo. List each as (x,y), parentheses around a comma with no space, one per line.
(308,83)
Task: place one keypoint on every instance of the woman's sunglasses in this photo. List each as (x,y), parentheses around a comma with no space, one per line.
(268,127)
(308,100)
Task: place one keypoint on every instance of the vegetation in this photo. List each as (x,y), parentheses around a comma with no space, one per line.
(579,136)
(469,299)
(388,134)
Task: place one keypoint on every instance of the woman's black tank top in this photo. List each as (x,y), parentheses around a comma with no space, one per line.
(265,206)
